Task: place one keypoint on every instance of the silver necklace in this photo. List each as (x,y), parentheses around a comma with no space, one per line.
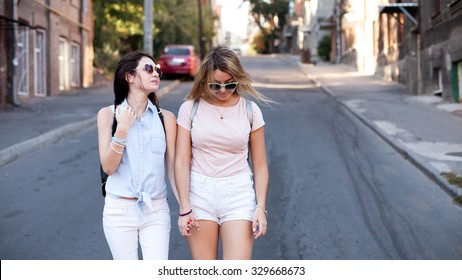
(222,112)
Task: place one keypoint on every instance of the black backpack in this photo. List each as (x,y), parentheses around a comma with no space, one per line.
(103,174)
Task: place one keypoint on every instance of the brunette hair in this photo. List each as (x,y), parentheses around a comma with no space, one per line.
(127,65)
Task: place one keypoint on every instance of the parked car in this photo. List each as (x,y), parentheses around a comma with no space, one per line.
(180,60)
(236,50)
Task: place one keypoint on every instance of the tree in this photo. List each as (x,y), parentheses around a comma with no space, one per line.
(119,27)
(270,17)
(324,48)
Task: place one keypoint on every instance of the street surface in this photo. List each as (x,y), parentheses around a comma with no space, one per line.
(337,190)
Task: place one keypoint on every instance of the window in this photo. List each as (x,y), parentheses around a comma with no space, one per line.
(437,81)
(400,28)
(22,60)
(40,70)
(436,7)
(63,71)
(85,7)
(75,65)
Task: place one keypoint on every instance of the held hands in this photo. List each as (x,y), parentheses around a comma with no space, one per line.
(125,116)
(186,223)
(260,223)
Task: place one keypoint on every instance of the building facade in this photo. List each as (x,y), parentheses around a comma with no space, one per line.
(415,42)
(47,48)
(441,48)
(309,21)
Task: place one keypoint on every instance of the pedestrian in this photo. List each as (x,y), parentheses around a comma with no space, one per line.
(136,208)
(213,177)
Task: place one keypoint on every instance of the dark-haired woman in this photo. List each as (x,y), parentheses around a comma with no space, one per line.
(135,157)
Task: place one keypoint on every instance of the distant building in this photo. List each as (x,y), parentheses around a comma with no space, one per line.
(417,43)
(309,21)
(441,48)
(46,48)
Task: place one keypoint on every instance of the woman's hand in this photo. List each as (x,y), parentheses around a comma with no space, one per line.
(186,223)
(260,224)
(125,116)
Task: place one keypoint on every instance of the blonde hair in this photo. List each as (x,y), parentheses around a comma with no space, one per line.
(226,61)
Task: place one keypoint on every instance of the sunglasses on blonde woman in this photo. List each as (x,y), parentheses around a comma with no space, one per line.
(228,86)
(150,69)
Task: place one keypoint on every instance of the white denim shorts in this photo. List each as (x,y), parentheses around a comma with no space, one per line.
(222,199)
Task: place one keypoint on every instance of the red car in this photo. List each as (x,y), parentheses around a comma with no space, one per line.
(180,60)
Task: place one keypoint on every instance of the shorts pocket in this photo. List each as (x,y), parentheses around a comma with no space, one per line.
(196,184)
(243,185)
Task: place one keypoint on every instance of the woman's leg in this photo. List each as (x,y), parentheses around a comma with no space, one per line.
(120,224)
(203,243)
(154,233)
(237,240)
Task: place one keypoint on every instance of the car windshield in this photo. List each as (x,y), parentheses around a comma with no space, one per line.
(178,51)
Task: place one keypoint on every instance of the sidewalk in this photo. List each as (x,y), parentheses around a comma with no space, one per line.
(41,121)
(427,130)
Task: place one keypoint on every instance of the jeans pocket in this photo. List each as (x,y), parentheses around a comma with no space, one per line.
(160,206)
(114,207)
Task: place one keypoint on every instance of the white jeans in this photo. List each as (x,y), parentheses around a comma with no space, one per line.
(125,223)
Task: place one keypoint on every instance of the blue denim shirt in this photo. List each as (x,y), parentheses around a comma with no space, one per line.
(141,172)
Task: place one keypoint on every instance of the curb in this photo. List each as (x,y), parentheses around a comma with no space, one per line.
(433,175)
(15,151)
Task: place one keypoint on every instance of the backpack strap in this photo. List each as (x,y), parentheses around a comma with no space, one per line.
(248,105)
(161,117)
(114,122)
(194,110)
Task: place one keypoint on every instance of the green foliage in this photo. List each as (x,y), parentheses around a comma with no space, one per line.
(453,178)
(265,13)
(261,43)
(324,48)
(119,27)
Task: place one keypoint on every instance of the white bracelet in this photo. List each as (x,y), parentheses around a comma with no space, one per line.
(120,153)
(117,144)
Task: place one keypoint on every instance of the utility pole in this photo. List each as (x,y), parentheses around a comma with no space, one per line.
(201,31)
(148,20)
(338,28)
(15,53)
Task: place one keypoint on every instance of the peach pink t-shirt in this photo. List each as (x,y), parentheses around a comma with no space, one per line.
(219,146)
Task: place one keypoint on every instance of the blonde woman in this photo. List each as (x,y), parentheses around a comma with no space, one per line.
(217,130)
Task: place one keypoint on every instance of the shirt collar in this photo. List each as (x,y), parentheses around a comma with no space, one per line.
(150,106)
